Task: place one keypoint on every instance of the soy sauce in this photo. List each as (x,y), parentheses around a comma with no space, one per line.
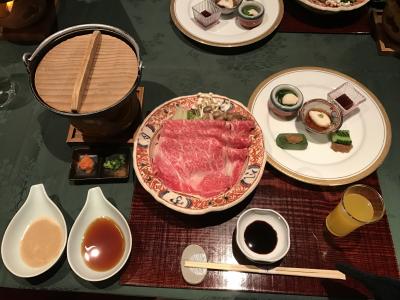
(260,237)
(103,244)
(344,101)
(205,13)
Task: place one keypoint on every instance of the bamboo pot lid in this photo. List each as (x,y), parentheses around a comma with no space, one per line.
(86,73)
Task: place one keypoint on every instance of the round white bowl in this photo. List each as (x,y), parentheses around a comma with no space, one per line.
(277,222)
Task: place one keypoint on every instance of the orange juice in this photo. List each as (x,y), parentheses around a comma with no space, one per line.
(352,212)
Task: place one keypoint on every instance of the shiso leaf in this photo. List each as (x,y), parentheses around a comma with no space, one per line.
(283,142)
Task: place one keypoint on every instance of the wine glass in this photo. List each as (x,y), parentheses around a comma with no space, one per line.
(7,88)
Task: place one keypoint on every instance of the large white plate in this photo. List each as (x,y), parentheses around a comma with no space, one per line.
(319,164)
(228,32)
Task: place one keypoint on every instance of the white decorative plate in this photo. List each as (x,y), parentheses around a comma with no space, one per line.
(228,32)
(319,164)
(192,204)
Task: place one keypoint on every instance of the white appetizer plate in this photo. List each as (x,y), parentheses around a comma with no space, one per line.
(369,130)
(227,32)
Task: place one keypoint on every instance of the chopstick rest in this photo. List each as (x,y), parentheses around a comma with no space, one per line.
(193,253)
(316,273)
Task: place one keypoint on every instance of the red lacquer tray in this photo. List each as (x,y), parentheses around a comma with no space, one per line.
(160,235)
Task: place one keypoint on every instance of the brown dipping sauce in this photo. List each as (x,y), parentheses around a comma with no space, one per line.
(260,237)
(310,122)
(103,244)
(344,101)
(205,13)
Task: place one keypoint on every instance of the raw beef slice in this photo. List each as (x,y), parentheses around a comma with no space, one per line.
(203,158)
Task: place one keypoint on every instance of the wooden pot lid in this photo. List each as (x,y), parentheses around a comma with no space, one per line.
(95,71)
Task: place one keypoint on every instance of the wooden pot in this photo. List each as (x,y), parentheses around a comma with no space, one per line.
(88,73)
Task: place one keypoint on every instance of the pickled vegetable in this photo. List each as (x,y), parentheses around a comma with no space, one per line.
(115,162)
(86,163)
(341,137)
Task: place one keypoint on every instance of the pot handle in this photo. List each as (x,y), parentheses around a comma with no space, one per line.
(26,59)
(141,67)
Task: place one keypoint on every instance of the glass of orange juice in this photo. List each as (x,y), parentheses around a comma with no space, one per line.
(360,205)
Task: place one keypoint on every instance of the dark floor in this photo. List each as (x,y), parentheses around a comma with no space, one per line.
(14,294)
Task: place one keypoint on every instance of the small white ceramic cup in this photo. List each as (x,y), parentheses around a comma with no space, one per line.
(276,221)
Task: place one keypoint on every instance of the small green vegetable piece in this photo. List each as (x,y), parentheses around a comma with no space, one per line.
(341,137)
(115,163)
(292,141)
(193,114)
(246,10)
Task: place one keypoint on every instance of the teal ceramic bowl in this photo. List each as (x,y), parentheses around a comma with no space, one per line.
(250,14)
(278,108)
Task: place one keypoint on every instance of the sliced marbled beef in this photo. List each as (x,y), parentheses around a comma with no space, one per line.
(203,158)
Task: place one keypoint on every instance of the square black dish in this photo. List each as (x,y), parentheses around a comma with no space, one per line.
(91,165)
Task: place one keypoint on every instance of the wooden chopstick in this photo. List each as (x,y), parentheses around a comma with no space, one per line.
(317,273)
(86,66)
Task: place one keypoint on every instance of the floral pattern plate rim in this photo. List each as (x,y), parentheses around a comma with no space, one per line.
(190,204)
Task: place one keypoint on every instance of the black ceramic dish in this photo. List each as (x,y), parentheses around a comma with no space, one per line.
(100,173)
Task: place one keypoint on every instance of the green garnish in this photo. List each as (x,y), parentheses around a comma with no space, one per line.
(341,137)
(115,163)
(247,10)
(193,114)
(281,93)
